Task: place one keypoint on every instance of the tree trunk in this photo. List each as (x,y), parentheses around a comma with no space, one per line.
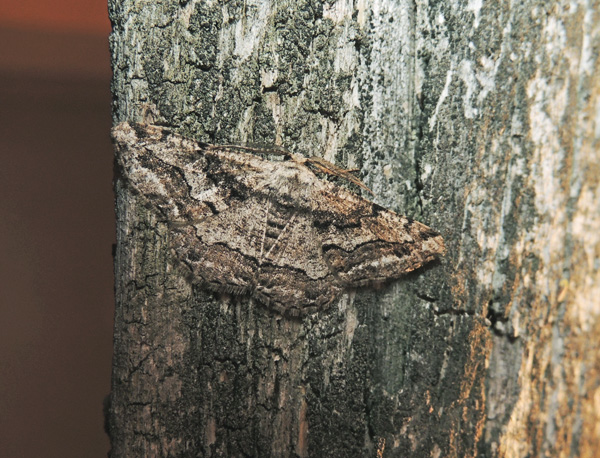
(478,120)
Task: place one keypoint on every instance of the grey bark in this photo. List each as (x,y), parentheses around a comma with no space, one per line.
(478,120)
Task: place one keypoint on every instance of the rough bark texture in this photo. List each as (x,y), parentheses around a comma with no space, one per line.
(477,119)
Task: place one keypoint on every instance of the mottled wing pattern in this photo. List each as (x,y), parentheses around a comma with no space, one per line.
(257,247)
(293,276)
(370,244)
(163,167)
(245,225)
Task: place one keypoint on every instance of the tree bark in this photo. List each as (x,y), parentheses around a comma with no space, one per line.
(478,120)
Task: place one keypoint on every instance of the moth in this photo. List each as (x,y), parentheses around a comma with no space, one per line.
(273,230)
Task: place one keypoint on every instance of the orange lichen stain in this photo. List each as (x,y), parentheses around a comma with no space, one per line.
(380,447)
(564,284)
(302,445)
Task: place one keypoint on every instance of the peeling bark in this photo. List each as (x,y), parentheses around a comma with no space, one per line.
(478,119)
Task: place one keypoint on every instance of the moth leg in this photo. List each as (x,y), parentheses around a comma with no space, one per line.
(264,234)
(285,232)
(331,169)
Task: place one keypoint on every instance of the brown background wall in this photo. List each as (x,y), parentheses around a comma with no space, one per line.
(56,228)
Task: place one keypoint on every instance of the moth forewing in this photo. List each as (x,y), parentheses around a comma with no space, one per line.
(272,230)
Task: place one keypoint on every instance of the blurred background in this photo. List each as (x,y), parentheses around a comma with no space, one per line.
(56,228)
